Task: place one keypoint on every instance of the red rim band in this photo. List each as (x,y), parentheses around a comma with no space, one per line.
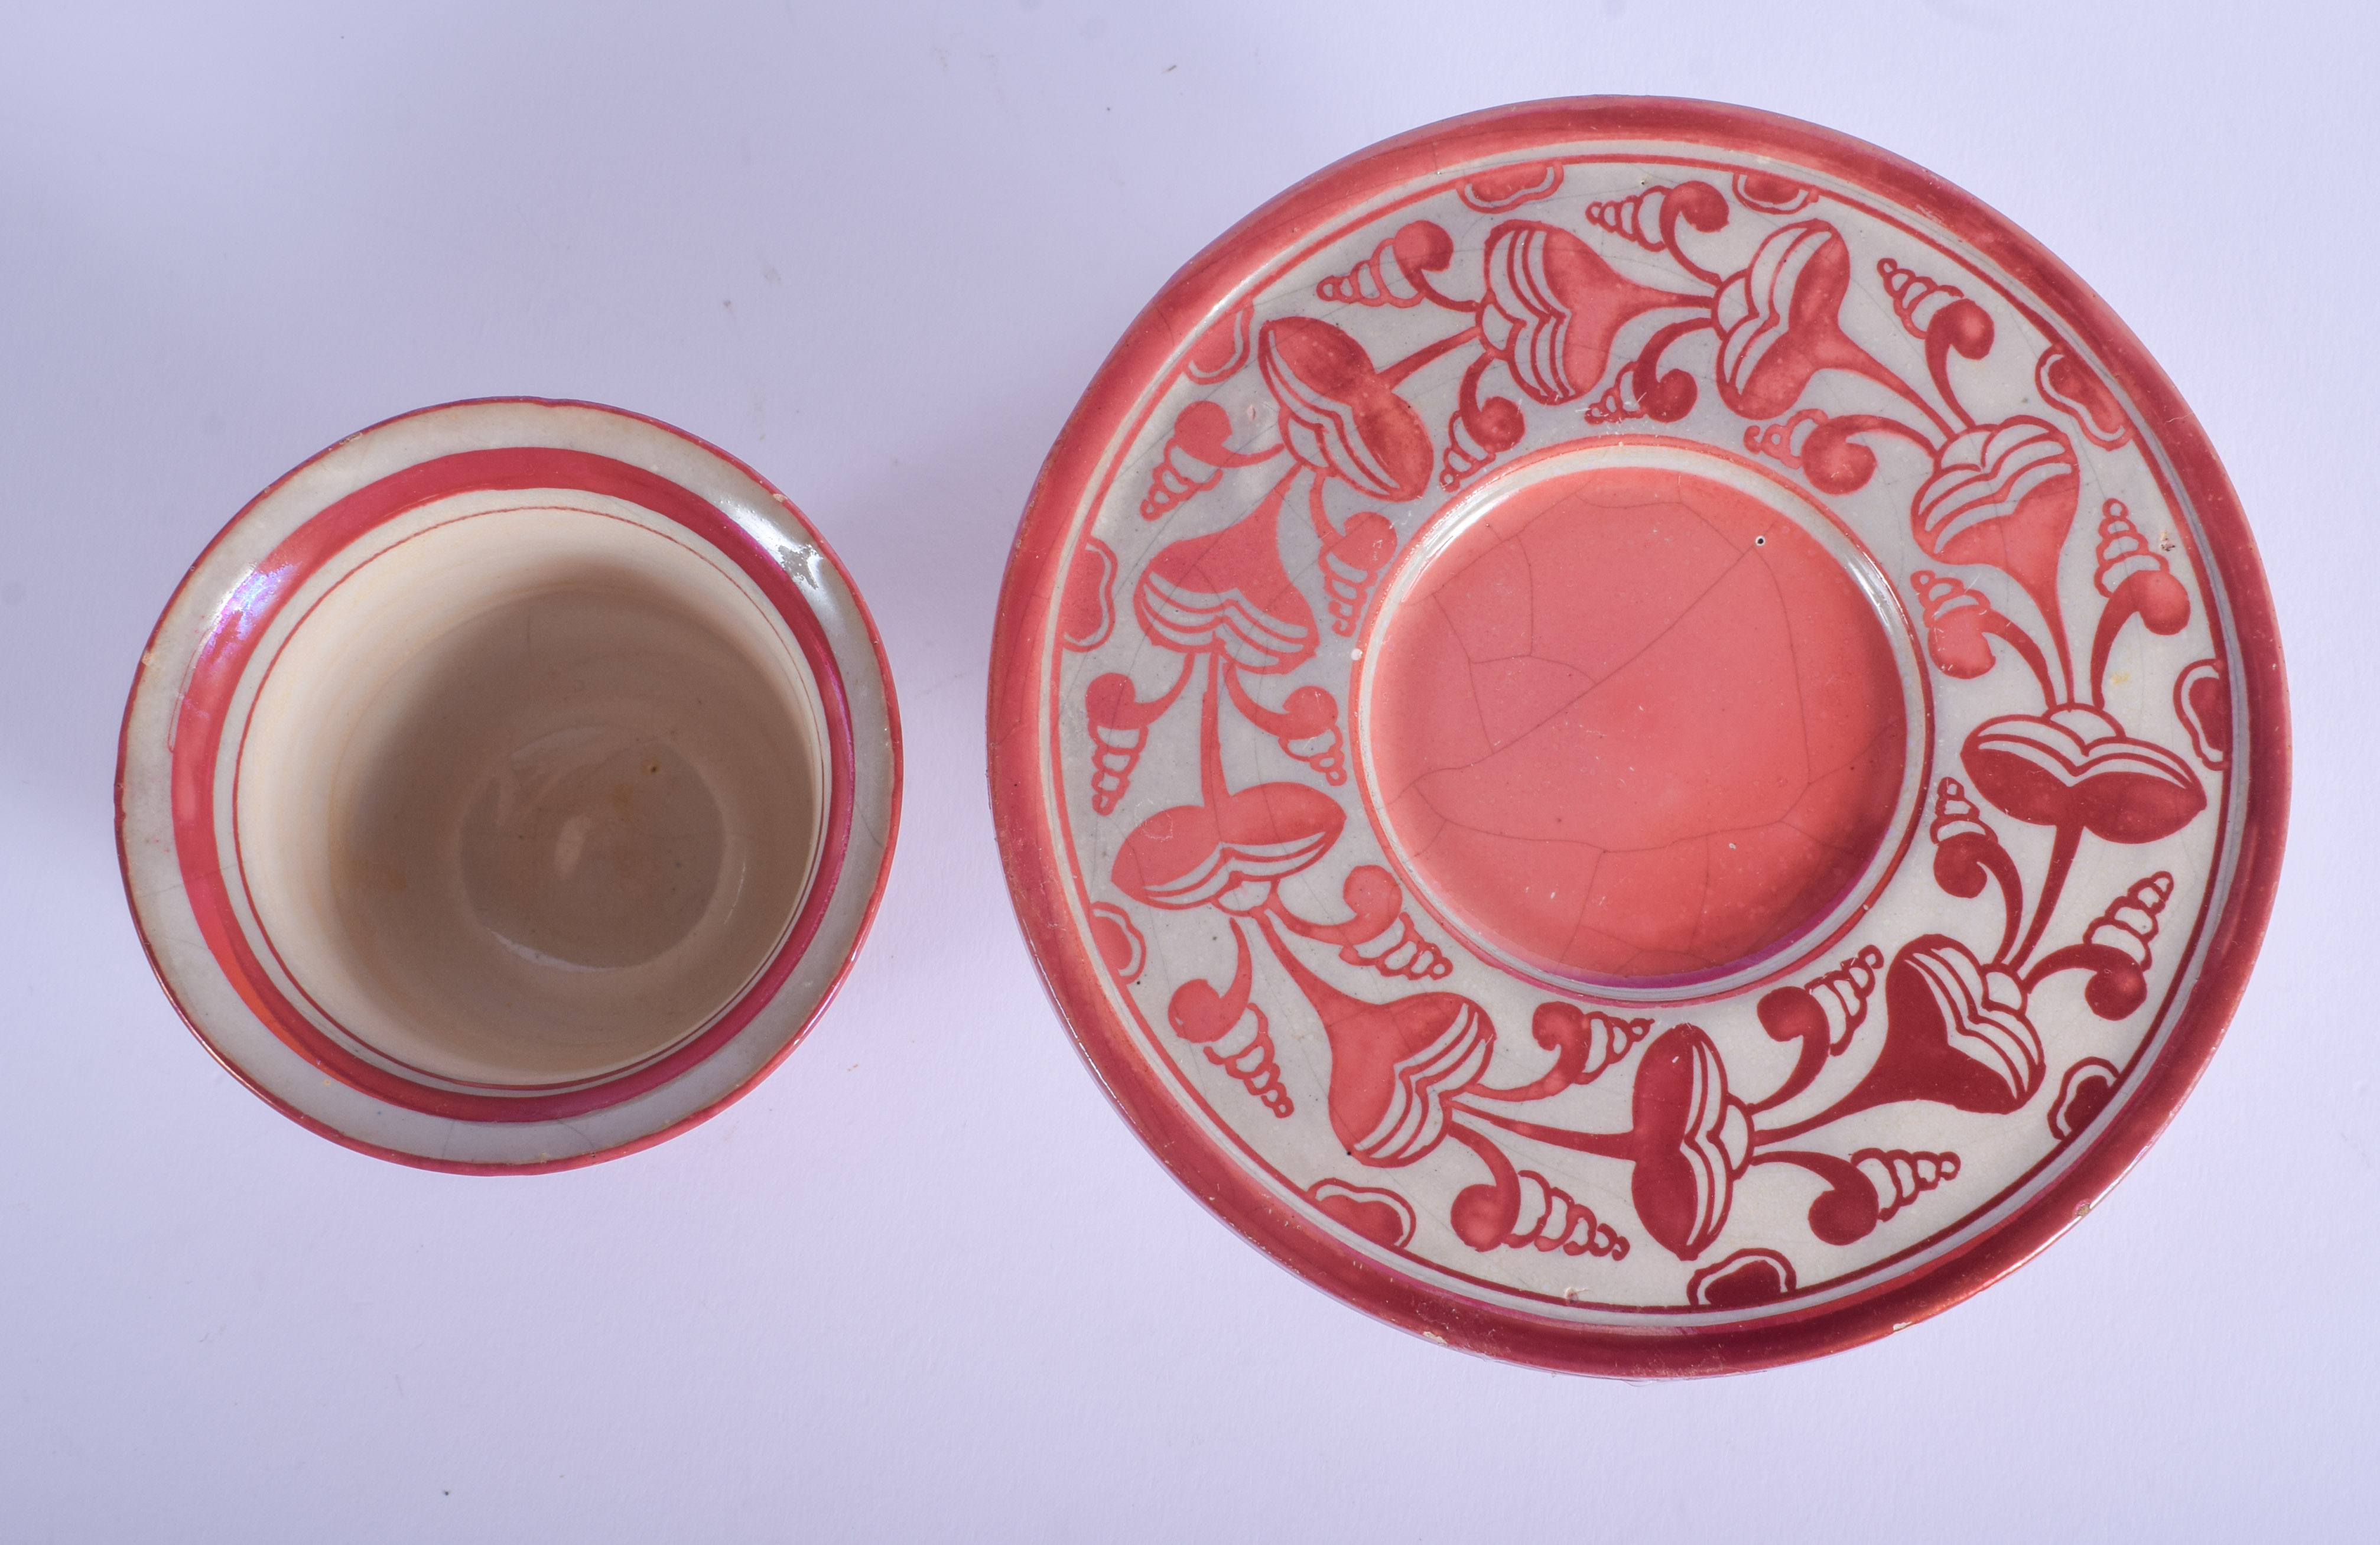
(1020,790)
(223,658)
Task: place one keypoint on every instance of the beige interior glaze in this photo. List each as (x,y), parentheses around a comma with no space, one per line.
(531,795)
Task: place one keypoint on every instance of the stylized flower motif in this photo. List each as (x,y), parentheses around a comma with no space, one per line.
(1231,854)
(1087,610)
(1780,320)
(2075,767)
(1825,1012)
(1382,1216)
(2069,384)
(1381,934)
(1337,414)
(1900,1178)
(1523,1209)
(1223,347)
(1120,944)
(1350,561)
(1232,1031)
(2116,949)
(1119,721)
(2126,931)
(1822,448)
(1397,273)
(1620,401)
(1742,1280)
(2002,494)
(2081,1095)
(1240,1044)
(1968,855)
(1958,622)
(1955,1033)
(1917,299)
(1476,435)
(1868,1187)
(1511,187)
(1195,454)
(1691,1141)
(1941,315)
(2202,697)
(1766,190)
(1393,1066)
(1651,218)
(2135,578)
(2129,926)
(1553,306)
(1583,1044)
(1228,592)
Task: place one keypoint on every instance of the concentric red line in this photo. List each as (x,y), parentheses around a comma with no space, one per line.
(1021,789)
(246,891)
(223,661)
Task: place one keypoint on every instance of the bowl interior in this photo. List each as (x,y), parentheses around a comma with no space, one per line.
(527,797)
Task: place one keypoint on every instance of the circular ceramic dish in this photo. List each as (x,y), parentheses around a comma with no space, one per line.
(509,786)
(1638,737)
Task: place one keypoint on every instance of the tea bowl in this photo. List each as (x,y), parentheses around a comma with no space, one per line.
(509,786)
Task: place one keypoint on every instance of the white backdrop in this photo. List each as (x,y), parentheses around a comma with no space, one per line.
(924,1283)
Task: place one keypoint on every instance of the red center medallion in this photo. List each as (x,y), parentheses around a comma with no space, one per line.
(1633,726)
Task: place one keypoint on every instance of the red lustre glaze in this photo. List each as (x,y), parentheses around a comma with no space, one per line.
(1211,801)
(1633,723)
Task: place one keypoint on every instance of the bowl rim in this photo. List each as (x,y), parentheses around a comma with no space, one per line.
(1018,784)
(862,728)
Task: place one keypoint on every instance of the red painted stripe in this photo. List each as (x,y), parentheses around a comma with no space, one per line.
(225,656)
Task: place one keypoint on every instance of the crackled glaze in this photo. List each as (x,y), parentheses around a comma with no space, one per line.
(1625,724)
(1642,733)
